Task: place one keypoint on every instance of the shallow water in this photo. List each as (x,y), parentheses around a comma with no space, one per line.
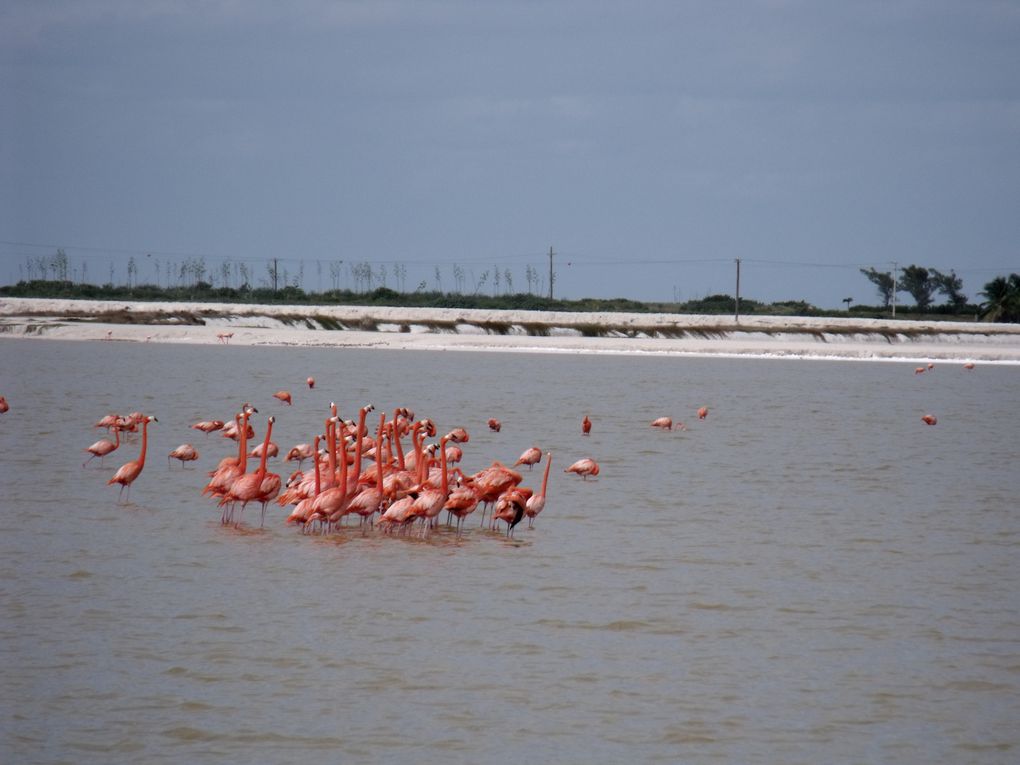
(809,575)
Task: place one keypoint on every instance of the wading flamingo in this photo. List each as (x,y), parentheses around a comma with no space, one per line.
(666,423)
(208,426)
(585,426)
(129,471)
(102,447)
(584,468)
(184,453)
(529,457)
(536,503)
(511,506)
(283,395)
(969,365)
(4,406)
(248,486)
(494,424)
(929,419)
(703,413)
(311,382)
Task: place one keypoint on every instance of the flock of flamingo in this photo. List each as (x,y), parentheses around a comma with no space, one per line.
(356,470)
(395,491)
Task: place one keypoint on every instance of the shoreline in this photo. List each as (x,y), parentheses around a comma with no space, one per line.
(479,330)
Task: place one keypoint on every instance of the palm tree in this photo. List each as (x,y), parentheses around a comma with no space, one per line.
(1002,302)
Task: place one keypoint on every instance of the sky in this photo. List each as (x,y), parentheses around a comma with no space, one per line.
(650,144)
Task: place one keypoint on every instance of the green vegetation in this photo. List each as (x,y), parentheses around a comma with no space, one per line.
(1001,304)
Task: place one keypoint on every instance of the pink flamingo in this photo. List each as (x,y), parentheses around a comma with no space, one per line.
(703,413)
(184,453)
(536,503)
(494,424)
(102,447)
(129,471)
(248,486)
(584,468)
(529,457)
(665,423)
(283,395)
(4,406)
(585,426)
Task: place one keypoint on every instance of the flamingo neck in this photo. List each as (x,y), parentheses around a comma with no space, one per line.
(442,462)
(396,443)
(265,449)
(545,478)
(145,443)
(315,456)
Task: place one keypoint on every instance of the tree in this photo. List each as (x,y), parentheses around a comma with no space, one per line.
(918,282)
(883,280)
(950,285)
(1002,299)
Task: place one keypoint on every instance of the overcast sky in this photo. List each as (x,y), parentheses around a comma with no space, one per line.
(649,143)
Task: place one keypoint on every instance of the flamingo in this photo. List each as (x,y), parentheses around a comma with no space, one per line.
(536,503)
(529,457)
(300,453)
(510,507)
(919,370)
(584,468)
(703,413)
(969,365)
(102,447)
(184,453)
(274,450)
(585,426)
(129,471)
(224,337)
(430,502)
(494,424)
(929,419)
(304,507)
(4,406)
(283,395)
(461,503)
(371,499)
(249,485)
(208,426)
(459,436)
(665,423)
(311,382)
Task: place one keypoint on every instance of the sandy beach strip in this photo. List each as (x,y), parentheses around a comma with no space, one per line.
(508,331)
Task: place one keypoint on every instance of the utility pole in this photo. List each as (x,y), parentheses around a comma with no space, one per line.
(736,305)
(894,289)
(276,271)
(550,273)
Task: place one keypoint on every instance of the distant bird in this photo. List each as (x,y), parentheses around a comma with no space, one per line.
(102,447)
(919,370)
(224,337)
(931,365)
(494,424)
(929,419)
(311,382)
(968,365)
(129,471)
(584,468)
(703,413)
(184,453)
(4,406)
(666,423)
(283,395)
(585,426)
(530,457)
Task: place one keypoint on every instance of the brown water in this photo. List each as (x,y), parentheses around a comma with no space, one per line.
(809,575)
